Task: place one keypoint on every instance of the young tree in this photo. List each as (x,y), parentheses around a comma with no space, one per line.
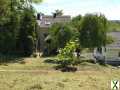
(66,55)
(60,35)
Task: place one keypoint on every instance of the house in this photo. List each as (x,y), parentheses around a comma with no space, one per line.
(45,22)
(116,43)
(113,49)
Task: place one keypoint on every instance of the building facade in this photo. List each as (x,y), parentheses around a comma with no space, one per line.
(116,43)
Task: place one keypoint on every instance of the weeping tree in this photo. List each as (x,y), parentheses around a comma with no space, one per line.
(93,31)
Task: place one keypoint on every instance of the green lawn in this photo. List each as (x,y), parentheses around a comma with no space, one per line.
(27,64)
(42,76)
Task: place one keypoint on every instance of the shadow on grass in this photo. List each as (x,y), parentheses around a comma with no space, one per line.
(60,67)
(66,69)
(86,63)
(5,59)
(77,62)
(52,61)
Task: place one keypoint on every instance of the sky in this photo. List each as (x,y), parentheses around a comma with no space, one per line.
(110,8)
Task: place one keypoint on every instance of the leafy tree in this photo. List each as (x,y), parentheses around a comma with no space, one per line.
(76,22)
(60,35)
(93,31)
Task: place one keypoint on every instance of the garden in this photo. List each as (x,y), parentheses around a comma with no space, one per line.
(69,61)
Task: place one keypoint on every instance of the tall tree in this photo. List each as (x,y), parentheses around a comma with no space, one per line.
(8,26)
(27,32)
(12,22)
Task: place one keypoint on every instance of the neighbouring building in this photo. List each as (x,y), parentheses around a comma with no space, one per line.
(45,22)
(116,37)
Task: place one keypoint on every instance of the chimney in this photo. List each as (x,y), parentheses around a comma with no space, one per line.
(39,16)
(54,15)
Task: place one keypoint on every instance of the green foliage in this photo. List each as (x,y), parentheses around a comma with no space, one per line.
(27,35)
(17,25)
(76,22)
(29,46)
(66,55)
(93,31)
(60,34)
(37,1)
(22,4)
(9,27)
(4,11)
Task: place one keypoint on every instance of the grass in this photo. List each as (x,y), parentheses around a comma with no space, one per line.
(82,80)
(43,76)
(27,64)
